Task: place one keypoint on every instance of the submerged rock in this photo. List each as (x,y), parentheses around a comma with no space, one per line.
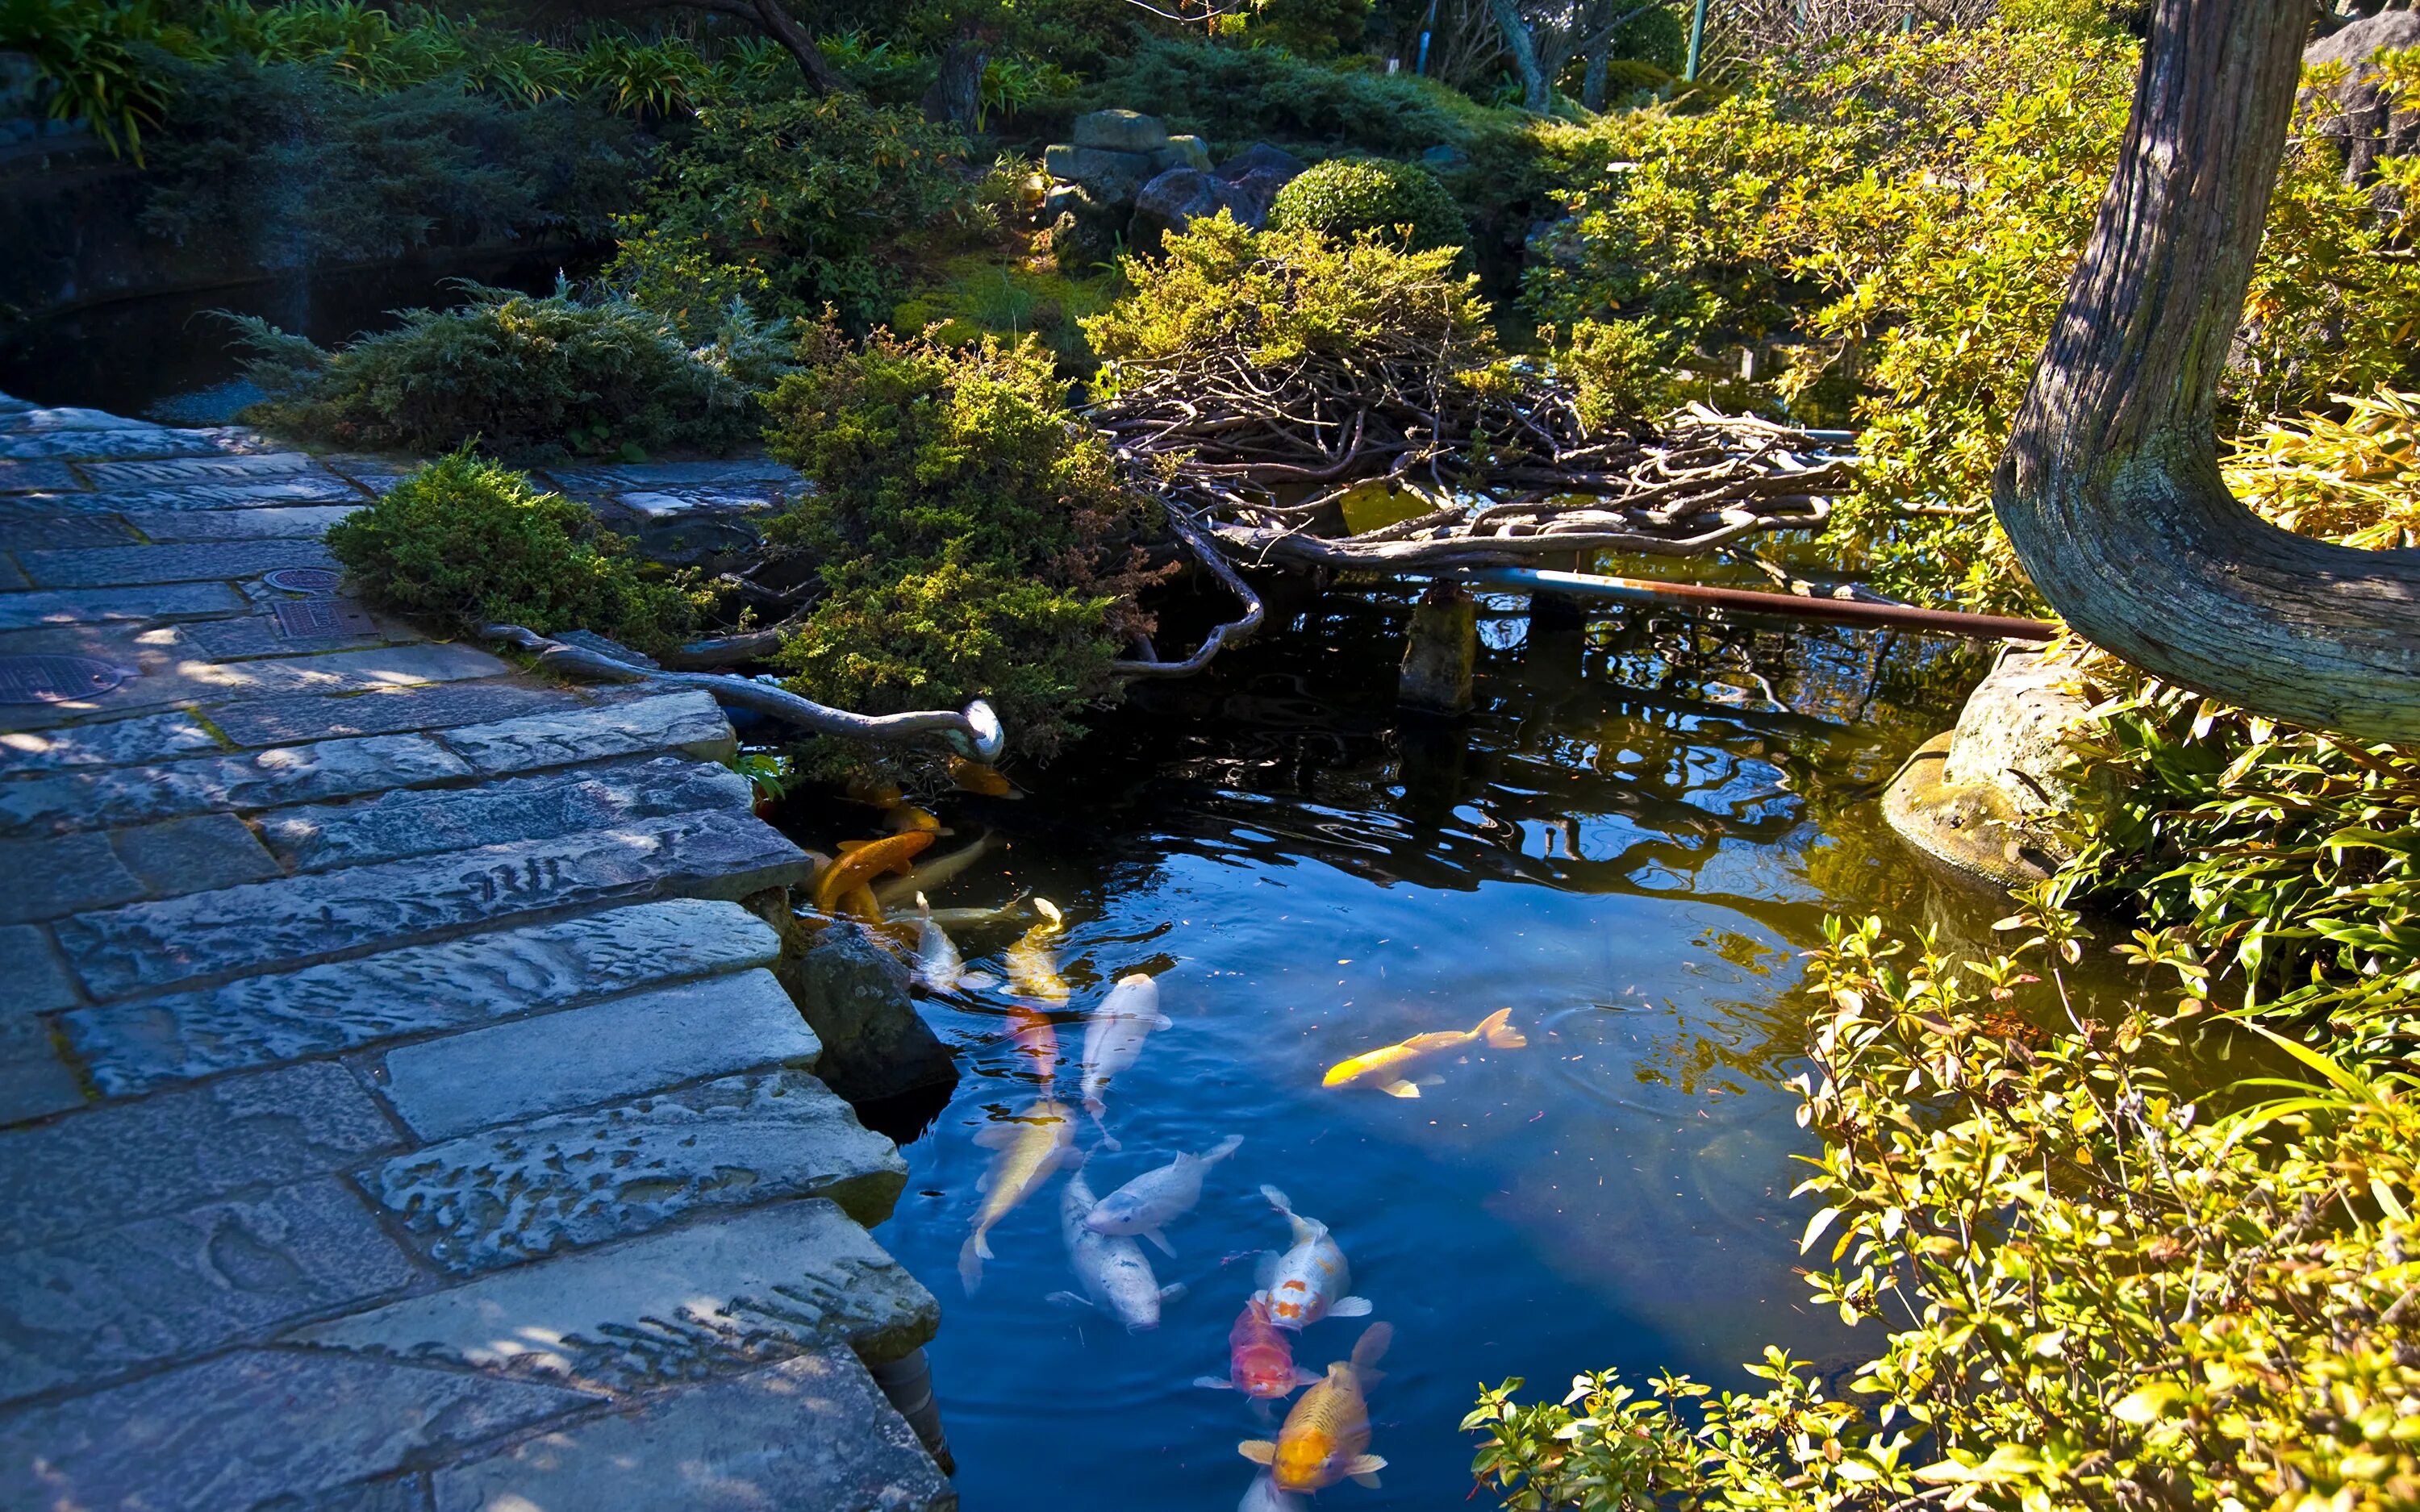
(854,993)
(1985,798)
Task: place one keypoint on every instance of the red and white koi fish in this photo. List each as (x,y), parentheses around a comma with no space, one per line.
(1384,1068)
(1259,1362)
(1038,1141)
(1326,1437)
(1308,1281)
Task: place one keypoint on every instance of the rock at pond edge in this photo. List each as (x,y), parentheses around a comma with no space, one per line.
(855,995)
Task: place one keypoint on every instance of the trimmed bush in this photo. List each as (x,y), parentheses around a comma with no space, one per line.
(473,543)
(1348,194)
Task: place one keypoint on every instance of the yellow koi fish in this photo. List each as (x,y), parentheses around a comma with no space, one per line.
(1032,965)
(1326,1437)
(1028,1148)
(1384,1069)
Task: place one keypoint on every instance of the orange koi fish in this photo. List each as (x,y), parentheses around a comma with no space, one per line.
(1032,965)
(1326,1437)
(1259,1362)
(1037,1037)
(1384,1069)
(854,868)
(974,777)
(1037,1142)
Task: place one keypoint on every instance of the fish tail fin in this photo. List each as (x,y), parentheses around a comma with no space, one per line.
(923,909)
(1372,1348)
(1047,908)
(1278,1199)
(1497,1030)
(1222,1150)
(970,1258)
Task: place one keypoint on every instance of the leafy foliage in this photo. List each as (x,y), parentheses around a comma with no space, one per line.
(975,539)
(1347,194)
(1235,96)
(92,52)
(526,376)
(473,543)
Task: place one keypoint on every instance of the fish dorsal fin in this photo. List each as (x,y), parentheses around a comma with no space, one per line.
(1259,1451)
(923,909)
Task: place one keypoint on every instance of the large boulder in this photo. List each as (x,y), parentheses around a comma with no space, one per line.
(1257,174)
(1109,175)
(1986,796)
(1172,201)
(1120,131)
(1184,152)
(1260,158)
(854,995)
(2371,128)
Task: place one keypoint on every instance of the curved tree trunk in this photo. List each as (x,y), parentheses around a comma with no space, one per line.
(2110,488)
(1538,94)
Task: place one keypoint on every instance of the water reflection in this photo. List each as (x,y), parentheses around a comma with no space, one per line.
(1628,844)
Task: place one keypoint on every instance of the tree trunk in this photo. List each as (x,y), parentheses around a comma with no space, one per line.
(956,95)
(2110,490)
(1537,99)
(801,44)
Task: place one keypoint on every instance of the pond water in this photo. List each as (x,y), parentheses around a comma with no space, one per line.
(1628,844)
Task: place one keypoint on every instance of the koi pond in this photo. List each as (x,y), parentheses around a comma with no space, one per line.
(1628,845)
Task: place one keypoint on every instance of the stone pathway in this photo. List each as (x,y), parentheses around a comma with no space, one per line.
(397,1111)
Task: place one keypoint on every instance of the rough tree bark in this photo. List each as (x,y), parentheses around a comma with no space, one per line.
(2110,490)
(1538,96)
(777,23)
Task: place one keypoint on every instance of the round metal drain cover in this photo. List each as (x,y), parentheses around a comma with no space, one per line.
(303,579)
(56,679)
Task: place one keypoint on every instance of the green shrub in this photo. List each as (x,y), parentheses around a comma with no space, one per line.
(1343,196)
(1236,95)
(824,200)
(975,539)
(1309,28)
(473,543)
(524,376)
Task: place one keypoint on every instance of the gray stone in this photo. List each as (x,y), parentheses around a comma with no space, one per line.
(1441,653)
(421,989)
(123,444)
(686,722)
(34,1082)
(811,1432)
(1173,201)
(1985,798)
(270,467)
(1257,159)
(575,1179)
(1120,131)
(170,671)
(38,982)
(667,1309)
(261,634)
(854,993)
(585,1055)
(254,1428)
(402,823)
(13,578)
(193,854)
(208,560)
(630,477)
(115,743)
(1109,178)
(385,711)
(299,488)
(1188,151)
(296,521)
(68,417)
(66,874)
(84,606)
(116,1164)
(295,919)
(33,521)
(408,1493)
(30,477)
(160,1288)
(276,777)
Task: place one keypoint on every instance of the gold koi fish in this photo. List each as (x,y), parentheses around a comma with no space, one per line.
(1384,1069)
(1028,1148)
(1326,1437)
(1032,965)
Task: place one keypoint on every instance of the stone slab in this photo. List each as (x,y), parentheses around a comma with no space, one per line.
(33,477)
(114,743)
(62,874)
(33,521)
(170,670)
(530,1066)
(291,521)
(13,578)
(193,854)
(280,775)
(386,711)
(254,1428)
(34,1082)
(33,417)
(166,1288)
(575,1179)
(261,634)
(87,605)
(409,823)
(668,1308)
(424,989)
(689,722)
(628,477)
(126,443)
(115,1164)
(37,981)
(809,1433)
(295,920)
(252,493)
(219,470)
(217,560)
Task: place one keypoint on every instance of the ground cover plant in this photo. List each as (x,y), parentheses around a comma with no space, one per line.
(1343,196)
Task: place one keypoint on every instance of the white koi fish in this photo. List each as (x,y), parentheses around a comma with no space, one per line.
(940,968)
(1113,1040)
(1156,1199)
(1115,1274)
(1264,1496)
(1307,1283)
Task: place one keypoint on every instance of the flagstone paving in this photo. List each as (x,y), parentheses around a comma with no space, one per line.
(397,1107)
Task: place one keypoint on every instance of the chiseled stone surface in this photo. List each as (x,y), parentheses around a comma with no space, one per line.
(666,1308)
(529,1066)
(111,1164)
(421,989)
(34,1081)
(261,780)
(197,561)
(211,850)
(689,722)
(385,711)
(84,606)
(254,493)
(406,823)
(37,981)
(578,1179)
(30,522)
(223,470)
(118,442)
(160,1288)
(251,928)
(268,522)
(115,743)
(809,1433)
(256,1425)
(62,874)
(30,477)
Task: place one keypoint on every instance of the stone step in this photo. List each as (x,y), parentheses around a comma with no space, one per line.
(575,1179)
(424,989)
(34,1081)
(259,1426)
(164,603)
(168,671)
(257,467)
(115,743)
(298,488)
(118,443)
(297,919)
(73,873)
(811,1434)
(671,1307)
(416,823)
(389,711)
(581,1057)
(35,524)
(36,477)
(216,561)
(689,722)
(303,522)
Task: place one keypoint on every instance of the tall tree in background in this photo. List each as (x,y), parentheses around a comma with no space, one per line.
(2110,490)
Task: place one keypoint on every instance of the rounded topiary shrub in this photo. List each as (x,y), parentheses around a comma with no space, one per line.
(1347,194)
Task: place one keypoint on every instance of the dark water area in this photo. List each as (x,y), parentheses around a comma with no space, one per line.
(167,357)
(1628,844)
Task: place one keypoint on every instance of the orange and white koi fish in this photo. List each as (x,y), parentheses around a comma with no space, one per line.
(1114,1038)
(1032,965)
(1037,1038)
(1259,1362)
(1308,1281)
(1038,1141)
(1326,1437)
(1384,1069)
